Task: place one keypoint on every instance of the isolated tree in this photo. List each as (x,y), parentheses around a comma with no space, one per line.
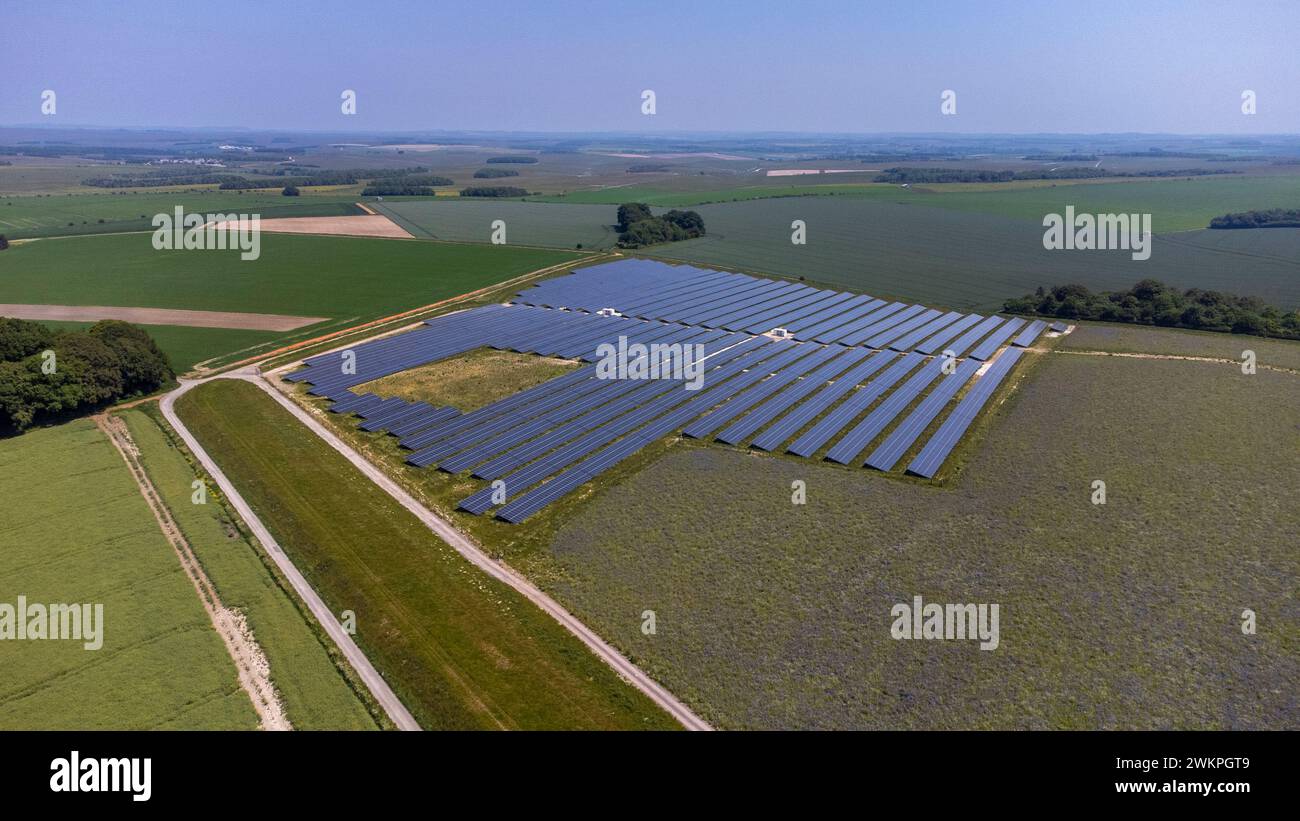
(290,191)
(4,242)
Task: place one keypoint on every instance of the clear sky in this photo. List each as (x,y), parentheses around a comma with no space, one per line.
(562,65)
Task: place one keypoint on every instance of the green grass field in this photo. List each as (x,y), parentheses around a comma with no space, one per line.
(1174,204)
(968,260)
(77,530)
(1117,338)
(470,381)
(365,279)
(315,692)
(470,220)
(65,214)
(1126,615)
(461,650)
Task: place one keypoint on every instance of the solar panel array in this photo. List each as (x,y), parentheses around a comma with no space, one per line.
(856,371)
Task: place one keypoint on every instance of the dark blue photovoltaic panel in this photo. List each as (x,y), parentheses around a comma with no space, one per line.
(966,340)
(844,413)
(862,334)
(882,339)
(1026,337)
(842,329)
(901,438)
(935,344)
(738,404)
(858,307)
(936,450)
(739,430)
(990,346)
(855,440)
(914,337)
(792,423)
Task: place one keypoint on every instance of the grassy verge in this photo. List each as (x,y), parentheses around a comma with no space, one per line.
(460,649)
(305,666)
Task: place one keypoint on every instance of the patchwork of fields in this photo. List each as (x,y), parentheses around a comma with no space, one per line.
(1117,616)
(366,279)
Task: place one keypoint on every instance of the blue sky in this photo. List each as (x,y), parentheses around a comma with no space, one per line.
(1100,66)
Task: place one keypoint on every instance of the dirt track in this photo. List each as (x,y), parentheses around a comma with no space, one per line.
(161,316)
(251,665)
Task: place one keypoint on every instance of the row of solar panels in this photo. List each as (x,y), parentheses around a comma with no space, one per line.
(546,441)
(647,289)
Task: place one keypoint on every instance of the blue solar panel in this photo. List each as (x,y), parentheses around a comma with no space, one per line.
(882,339)
(966,340)
(739,403)
(739,430)
(793,422)
(936,450)
(989,346)
(868,320)
(901,438)
(914,337)
(844,413)
(861,435)
(935,343)
(863,334)
(1028,335)
(858,308)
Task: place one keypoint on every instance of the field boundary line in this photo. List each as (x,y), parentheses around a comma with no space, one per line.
(500,571)
(1180,357)
(374,682)
(251,665)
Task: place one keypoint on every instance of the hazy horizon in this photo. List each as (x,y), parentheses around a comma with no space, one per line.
(760,67)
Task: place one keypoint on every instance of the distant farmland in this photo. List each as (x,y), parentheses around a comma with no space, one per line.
(366,278)
(527,223)
(967,260)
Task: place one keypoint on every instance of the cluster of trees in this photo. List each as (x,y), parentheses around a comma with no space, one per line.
(937,175)
(647,168)
(290,191)
(494,173)
(637,226)
(1154,303)
(1270,218)
(47,375)
(4,242)
(517,159)
(493,191)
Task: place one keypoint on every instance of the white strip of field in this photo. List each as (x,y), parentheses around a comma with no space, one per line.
(160,316)
(361,225)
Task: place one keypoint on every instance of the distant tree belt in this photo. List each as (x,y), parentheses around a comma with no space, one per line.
(647,168)
(940,175)
(1154,303)
(1271,218)
(520,160)
(395,189)
(157,180)
(494,173)
(493,191)
(638,226)
(244,184)
(88,369)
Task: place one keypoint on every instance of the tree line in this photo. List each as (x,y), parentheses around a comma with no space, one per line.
(1270,218)
(494,173)
(940,175)
(493,191)
(638,226)
(1151,302)
(517,159)
(49,375)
